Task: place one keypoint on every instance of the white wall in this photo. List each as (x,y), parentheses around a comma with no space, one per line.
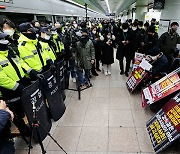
(171,11)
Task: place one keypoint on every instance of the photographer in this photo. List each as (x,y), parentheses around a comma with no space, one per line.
(6,141)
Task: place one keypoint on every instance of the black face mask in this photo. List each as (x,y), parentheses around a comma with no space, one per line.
(173,30)
(31,36)
(84,40)
(3,47)
(150,35)
(58,30)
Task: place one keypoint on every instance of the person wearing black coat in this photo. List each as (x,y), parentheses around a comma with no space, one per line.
(124,40)
(108,53)
(6,141)
(151,39)
(160,64)
(135,35)
(95,38)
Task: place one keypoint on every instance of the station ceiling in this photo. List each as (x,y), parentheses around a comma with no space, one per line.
(116,6)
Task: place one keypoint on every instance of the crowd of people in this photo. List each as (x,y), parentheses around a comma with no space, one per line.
(31,48)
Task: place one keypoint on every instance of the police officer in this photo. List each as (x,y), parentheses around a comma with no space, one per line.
(58,40)
(8,28)
(12,82)
(44,41)
(30,51)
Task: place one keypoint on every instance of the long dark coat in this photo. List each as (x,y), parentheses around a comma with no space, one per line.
(124,50)
(107,53)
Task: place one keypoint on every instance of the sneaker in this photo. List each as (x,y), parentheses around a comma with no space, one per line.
(105,73)
(109,73)
(88,84)
(82,87)
(126,74)
(74,80)
(98,70)
(122,72)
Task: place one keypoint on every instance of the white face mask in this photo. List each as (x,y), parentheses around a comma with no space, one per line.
(94,32)
(47,37)
(108,36)
(125,30)
(54,32)
(134,28)
(9,32)
(4,41)
(75,25)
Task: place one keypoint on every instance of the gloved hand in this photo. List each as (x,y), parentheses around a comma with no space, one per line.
(40,76)
(19,89)
(36,75)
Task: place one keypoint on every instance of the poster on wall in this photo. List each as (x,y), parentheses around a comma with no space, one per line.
(163,26)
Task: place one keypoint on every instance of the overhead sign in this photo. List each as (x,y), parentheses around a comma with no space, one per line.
(162,88)
(110,14)
(164,127)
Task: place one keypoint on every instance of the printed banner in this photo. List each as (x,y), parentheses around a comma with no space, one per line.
(160,89)
(137,60)
(164,127)
(135,78)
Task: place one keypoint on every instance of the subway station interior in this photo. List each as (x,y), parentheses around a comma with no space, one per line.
(89,77)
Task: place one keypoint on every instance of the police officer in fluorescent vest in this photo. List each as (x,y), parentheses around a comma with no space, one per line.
(45,42)
(58,40)
(12,82)
(30,51)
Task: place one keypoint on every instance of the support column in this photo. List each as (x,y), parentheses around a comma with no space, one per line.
(140,12)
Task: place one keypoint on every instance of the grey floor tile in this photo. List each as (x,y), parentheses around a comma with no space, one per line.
(96,118)
(100,92)
(120,118)
(119,103)
(118,92)
(123,140)
(75,103)
(67,137)
(93,139)
(144,140)
(141,117)
(98,103)
(73,118)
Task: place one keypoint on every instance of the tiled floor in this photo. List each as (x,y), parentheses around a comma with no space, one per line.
(107,120)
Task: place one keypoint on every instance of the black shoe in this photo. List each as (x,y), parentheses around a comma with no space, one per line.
(126,74)
(122,72)
(95,74)
(98,70)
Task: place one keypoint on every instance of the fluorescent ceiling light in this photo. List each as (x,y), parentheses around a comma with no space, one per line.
(107,3)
